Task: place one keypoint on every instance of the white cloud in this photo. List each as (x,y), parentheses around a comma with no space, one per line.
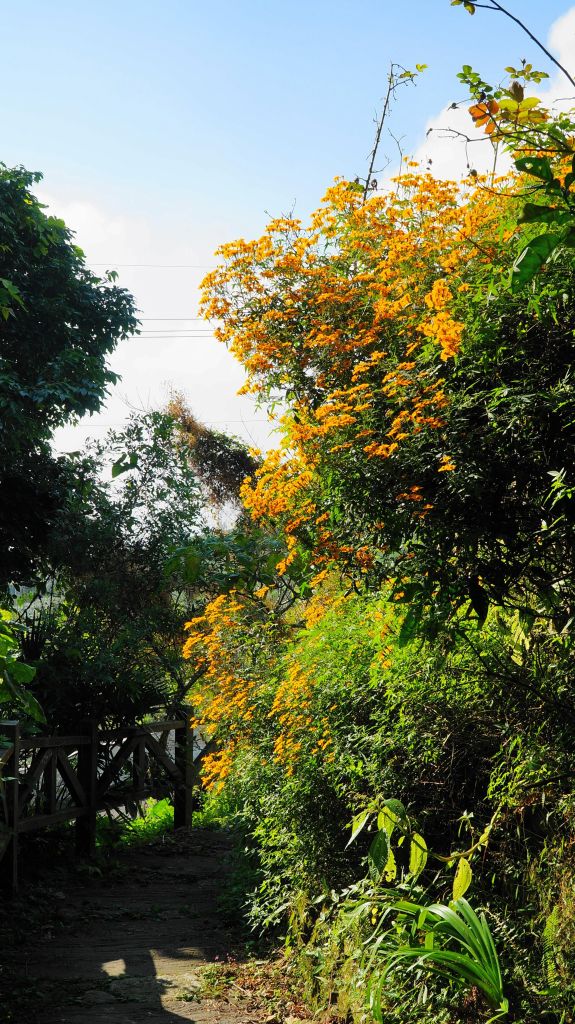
(150,364)
(561,39)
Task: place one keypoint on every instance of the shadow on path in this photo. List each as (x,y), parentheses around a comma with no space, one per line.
(134,947)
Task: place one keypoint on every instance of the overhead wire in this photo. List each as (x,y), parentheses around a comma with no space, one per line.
(122,423)
(159,266)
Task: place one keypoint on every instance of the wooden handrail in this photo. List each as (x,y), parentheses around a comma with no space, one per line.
(37,742)
(141,730)
(51,779)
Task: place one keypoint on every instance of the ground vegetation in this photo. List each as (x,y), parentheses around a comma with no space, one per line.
(418,685)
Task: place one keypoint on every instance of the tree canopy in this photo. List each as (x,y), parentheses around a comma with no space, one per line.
(58,324)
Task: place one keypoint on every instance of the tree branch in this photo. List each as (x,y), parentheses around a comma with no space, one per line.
(497,7)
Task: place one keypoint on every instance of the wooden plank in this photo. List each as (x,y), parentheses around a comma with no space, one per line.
(164,759)
(177,723)
(141,730)
(70,778)
(37,742)
(50,783)
(117,735)
(38,821)
(184,758)
(88,778)
(112,769)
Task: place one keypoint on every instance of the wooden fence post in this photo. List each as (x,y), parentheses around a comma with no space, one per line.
(88,779)
(11,729)
(184,759)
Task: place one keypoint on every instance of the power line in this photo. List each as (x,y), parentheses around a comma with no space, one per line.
(160,266)
(176,330)
(174,334)
(179,337)
(122,423)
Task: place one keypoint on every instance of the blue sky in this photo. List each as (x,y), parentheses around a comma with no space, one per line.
(165,129)
(228,109)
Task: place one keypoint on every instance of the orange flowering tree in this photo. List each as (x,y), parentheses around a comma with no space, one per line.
(387,331)
(423,390)
(424,405)
(256,692)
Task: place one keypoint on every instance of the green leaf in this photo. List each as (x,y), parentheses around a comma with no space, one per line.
(538,166)
(569,238)
(409,626)
(390,869)
(533,213)
(387,820)
(31,706)
(357,825)
(21,673)
(378,855)
(462,879)
(124,463)
(417,854)
(532,258)
(192,564)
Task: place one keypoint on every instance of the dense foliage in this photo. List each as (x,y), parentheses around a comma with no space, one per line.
(104,626)
(421,343)
(133,554)
(58,323)
(381,610)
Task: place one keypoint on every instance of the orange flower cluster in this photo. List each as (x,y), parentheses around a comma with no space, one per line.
(292,710)
(224,699)
(231,694)
(355,316)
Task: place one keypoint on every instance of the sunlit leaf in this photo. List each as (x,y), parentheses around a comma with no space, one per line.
(533,257)
(378,855)
(390,869)
(462,879)
(357,825)
(417,854)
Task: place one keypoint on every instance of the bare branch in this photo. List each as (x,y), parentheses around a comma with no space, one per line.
(397,76)
(496,6)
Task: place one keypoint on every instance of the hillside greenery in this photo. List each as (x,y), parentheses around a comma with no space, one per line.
(397,737)
(380,610)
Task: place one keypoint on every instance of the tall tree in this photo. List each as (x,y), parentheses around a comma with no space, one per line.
(58,323)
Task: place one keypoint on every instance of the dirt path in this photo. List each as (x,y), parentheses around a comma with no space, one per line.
(138,947)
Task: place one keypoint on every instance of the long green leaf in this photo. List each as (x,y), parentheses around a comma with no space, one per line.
(462,879)
(357,825)
(538,166)
(451,964)
(532,258)
(378,855)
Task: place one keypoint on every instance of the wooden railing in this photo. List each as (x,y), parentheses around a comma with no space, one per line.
(45,780)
